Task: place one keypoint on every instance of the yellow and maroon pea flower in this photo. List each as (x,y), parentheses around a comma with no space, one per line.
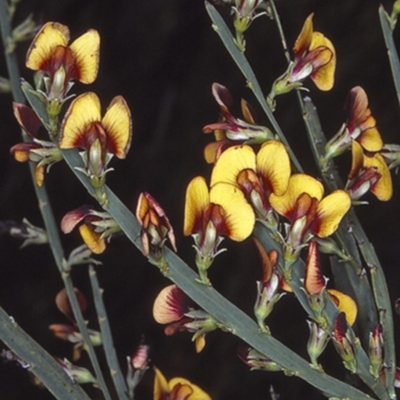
(256,175)
(96,226)
(100,137)
(369,172)
(308,212)
(173,308)
(156,228)
(360,126)
(230,130)
(42,153)
(343,343)
(314,57)
(50,53)
(315,288)
(212,214)
(176,389)
(268,287)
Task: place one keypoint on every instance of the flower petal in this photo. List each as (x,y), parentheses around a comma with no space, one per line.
(298,184)
(239,215)
(51,35)
(161,388)
(92,239)
(324,77)
(330,212)
(345,304)
(196,394)
(197,199)
(170,305)
(118,124)
(303,41)
(357,159)
(273,164)
(314,281)
(371,139)
(82,111)
(86,50)
(383,189)
(231,162)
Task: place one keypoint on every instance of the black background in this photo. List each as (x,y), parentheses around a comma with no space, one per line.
(163,56)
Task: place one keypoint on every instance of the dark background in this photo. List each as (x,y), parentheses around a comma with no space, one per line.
(163,56)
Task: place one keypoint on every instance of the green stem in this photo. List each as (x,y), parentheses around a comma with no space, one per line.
(45,207)
(38,361)
(111,355)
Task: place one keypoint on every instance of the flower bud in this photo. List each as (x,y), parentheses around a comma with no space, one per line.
(317,342)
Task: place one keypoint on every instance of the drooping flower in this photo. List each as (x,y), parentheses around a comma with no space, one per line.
(100,137)
(211,214)
(176,389)
(308,212)
(97,226)
(156,228)
(172,307)
(50,53)
(30,234)
(314,57)
(257,361)
(256,175)
(369,172)
(360,125)
(230,130)
(77,374)
(42,153)
(70,332)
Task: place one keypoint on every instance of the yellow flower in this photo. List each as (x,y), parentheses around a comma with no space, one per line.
(50,53)
(256,175)
(176,389)
(101,137)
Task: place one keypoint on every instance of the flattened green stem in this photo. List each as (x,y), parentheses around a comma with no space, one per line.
(391,49)
(108,345)
(379,286)
(39,361)
(224,33)
(228,315)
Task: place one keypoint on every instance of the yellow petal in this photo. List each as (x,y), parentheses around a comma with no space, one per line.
(118,124)
(142,208)
(383,189)
(324,77)
(160,385)
(313,281)
(231,162)
(165,307)
(298,184)
(357,159)
(371,140)
(304,39)
(200,343)
(51,35)
(273,164)
(197,199)
(330,212)
(345,304)
(86,50)
(82,111)
(197,393)
(239,215)
(39,175)
(92,239)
